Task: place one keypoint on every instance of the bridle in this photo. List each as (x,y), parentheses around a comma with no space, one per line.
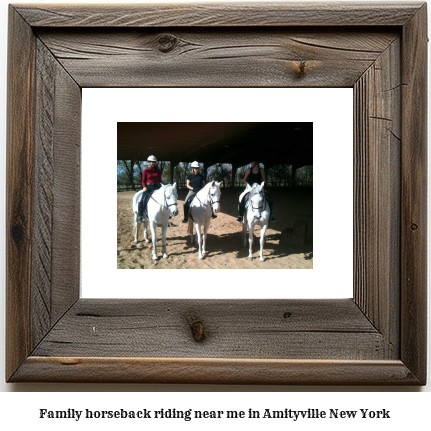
(211,201)
(165,204)
(261,207)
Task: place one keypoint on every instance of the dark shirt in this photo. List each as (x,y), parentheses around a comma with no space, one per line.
(196,181)
(254,178)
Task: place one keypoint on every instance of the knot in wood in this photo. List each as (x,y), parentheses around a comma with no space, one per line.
(167,42)
(299,68)
(197,328)
(414,226)
(287,314)
(18,233)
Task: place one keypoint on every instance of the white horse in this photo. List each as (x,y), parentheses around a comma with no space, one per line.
(200,213)
(257,212)
(162,203)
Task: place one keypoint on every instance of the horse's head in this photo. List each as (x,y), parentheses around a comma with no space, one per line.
(171,198)
(257,200)
(214,194)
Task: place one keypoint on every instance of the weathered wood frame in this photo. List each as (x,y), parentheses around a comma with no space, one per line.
(379,337)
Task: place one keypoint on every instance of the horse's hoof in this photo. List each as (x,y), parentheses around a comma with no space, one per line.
(262,259)
(147,241)
(201,257)
(155,258)
(250,258)
(165,256)
(135,241)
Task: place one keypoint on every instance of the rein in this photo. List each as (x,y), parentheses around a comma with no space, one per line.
(165,205)
(211,201)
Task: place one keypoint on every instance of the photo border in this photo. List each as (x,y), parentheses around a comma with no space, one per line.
(99,124)
(379,337)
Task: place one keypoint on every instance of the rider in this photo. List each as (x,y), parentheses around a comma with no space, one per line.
(195,182)
(151,181)
(254,174)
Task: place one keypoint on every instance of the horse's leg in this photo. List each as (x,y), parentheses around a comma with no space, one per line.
(190,231)
(204,237)
(135,227)
(262,240)
(250,240)
(244,224)
(199,239)
(153,227)
(146,231)
(164,228)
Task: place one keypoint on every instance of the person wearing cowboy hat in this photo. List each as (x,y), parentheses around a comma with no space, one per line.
(151,181)
(195,182)
(254,174)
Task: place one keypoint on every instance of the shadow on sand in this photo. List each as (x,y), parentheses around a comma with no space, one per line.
(273,248)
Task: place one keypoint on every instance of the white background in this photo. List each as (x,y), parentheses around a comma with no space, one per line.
(21,408)
(332,275)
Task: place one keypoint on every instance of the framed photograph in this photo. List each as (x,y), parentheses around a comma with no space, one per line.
(257,121)
(220,152)
(377,337)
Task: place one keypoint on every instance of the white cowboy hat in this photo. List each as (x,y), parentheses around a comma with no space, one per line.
(151,159)
(195,165)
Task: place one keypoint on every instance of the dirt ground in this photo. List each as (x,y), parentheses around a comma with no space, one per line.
(225,239)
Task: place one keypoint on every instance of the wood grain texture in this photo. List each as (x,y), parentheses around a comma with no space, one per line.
(55,278)
(20,198)
(377,192)
(66,189)
(234,329)
(216,57)
(54,336)
(43,191)
(414,194)
(387,123)
(219,15)
(215,371)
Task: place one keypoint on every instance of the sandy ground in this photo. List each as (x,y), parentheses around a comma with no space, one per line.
(225,239)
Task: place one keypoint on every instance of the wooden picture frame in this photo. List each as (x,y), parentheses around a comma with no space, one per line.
(378,337)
